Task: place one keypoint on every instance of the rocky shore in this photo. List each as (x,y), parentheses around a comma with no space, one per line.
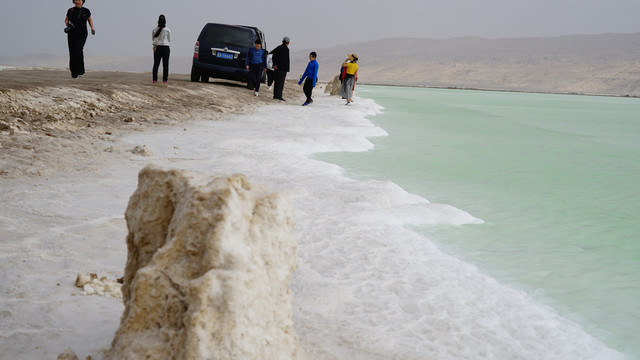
(50,122)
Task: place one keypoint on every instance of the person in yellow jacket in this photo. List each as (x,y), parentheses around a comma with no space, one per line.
(351,75)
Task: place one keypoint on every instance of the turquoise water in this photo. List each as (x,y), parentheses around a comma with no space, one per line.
(556,178)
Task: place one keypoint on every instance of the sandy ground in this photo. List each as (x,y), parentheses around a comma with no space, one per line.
(50,122)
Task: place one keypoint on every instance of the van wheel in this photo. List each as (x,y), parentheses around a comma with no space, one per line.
(204,78)
(194,75)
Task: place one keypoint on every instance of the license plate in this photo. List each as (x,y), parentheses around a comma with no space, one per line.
(224,55)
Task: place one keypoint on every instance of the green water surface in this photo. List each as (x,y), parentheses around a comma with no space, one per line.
(556,178)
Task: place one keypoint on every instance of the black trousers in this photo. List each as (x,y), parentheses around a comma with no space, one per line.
(278,87)
(269,77)
(162,53)
(255,75)
(308,88)
(76,53)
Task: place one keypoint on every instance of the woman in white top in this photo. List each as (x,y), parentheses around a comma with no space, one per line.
(161,36)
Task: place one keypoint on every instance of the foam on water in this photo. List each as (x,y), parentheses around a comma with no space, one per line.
(368,287)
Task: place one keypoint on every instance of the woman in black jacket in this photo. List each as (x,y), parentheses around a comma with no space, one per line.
(76,29)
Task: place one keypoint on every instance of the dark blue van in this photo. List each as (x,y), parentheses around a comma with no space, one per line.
(221,52)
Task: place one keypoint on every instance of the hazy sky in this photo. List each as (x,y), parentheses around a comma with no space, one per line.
(124,27)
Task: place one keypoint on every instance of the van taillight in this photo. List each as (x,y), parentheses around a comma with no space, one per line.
(196,50)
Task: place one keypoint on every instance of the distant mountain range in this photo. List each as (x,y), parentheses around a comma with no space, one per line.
(606,64)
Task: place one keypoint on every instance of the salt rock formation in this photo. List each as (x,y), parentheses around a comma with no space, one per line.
(91,284)
(208,270)
(141,150)
(68,355)
(333,86)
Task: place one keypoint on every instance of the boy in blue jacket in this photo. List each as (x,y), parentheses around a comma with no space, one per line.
(310,77)
(256,64)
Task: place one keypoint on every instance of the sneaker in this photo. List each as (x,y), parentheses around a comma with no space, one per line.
(311,101)
(305,103)
(348,104)
(164,82)
(155,82)
(255,93)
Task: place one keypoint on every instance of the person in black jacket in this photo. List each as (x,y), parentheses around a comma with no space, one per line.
(280,67)
(76,29)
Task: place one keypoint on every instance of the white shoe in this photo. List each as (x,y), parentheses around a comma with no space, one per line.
(255,93)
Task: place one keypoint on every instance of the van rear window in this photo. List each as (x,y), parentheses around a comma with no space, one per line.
(229,36)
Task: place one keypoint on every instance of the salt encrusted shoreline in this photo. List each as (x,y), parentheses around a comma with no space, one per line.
(50,122)
(51,126)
